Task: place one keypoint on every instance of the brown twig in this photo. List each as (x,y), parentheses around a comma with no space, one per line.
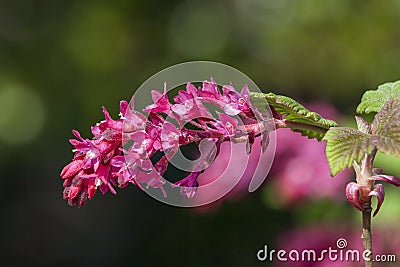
(366,236)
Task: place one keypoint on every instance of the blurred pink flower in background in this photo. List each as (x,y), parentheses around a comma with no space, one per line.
(301,171)
(233,163)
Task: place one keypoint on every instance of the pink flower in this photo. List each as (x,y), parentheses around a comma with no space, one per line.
(125,168)
(161,102)
(132,120)
(238,102)
(210,89)
(142,143)
(226,125)
(169,136)
(188,106)
(79,186)
(73,168)
(188,185)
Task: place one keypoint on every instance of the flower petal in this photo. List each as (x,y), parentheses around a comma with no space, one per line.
(231,109)
(72,169)
(162,165)
(191,89)
(77,134)
(188,185)
(245,93)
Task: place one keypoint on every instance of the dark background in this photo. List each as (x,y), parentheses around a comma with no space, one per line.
(60,61)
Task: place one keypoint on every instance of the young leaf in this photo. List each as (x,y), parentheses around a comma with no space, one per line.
(373,100)
(345,145)
(299,119)
(363,125)
(386,126)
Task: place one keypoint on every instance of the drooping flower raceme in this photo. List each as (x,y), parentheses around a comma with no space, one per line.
(121,150)
(137,147)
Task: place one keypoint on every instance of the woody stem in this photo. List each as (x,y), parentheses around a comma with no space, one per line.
(366,236)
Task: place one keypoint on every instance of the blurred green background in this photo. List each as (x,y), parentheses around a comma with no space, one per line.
(60,61)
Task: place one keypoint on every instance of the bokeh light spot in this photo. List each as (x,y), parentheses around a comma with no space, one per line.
(99,38)
(22,114)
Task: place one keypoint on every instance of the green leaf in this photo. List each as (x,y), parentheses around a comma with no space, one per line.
(309,133)
(373,100)
(345,145)
(386,126)
(299,119)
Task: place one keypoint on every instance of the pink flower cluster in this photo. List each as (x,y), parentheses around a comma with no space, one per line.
(121,150)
